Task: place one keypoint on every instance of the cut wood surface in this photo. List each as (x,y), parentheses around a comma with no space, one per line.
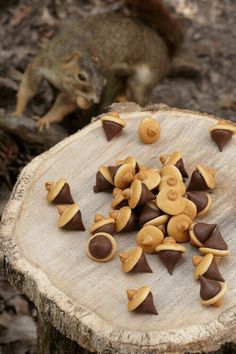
(86,300)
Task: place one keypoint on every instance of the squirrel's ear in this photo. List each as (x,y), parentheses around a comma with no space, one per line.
(74,57)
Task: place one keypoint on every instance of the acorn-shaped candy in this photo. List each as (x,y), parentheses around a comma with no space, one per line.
(151,215)
(206,266)
(170,252)
(190,209)
(130,160)
(125,219)
(102,224)
(134,261)
(202,179)
(149,130)
(104,182)
(138,194)
(175,158)
(178,227)
(120,199)
(202,201)
(215,244)
(211,292)
(171,170)
(59,192)
(101,247)
(150,177)
(170,182)
(222,133)
(70,217)
(122,175)
(170,201)
(200,232)
(141,300)
(112,124)
(149,237)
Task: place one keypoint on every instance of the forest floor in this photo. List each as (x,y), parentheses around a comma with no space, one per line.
(210,40)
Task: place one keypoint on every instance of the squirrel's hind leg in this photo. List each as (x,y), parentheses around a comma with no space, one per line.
(140,85)
(28,87)
(62,106)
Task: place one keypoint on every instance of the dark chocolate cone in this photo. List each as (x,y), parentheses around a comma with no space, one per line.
(170,258)
(64,196)
(147,306)
(213,272)
(199,199)
(197,182)
(216,241)
(203,231)
(181,168)
(148,213)
(111,129)
(100,247)
(209,288)
(146,195)
(122,204)
(132,223)
(75,223)
(102,184)
(108,228)
(221,137)
(142,265)
(113,170)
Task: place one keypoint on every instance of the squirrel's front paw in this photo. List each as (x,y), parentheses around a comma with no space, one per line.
(43,123)
(16,114)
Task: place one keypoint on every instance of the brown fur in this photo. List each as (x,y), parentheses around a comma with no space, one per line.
(93,47)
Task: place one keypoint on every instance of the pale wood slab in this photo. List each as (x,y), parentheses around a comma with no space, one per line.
(86,300)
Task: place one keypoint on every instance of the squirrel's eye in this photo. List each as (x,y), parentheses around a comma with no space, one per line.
(82,77)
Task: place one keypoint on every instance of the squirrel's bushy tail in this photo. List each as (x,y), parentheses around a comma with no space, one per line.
(158,16)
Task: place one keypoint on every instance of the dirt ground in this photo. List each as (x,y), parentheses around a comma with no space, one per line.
(210,40)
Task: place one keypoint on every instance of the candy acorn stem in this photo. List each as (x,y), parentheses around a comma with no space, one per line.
(98,217)
(61,208)
(123,256)
(196,260)
(49,186)
(131,293)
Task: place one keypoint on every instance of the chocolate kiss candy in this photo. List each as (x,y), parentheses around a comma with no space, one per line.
(101,247)
(112,124)
(64,196)
(131,224)
(181,168)
(147,306)
(70,217)
(149,212)
(200,199)
(103,181)
(111,129)
(207,267)
(170,252)
(135,261)
(216,240)
(203,231)
(213,272)
(102,224)
(209,288)
(113,170)
(169,258)
(59,192)
(221,137)
(197,182)
(142,265)
(146,195)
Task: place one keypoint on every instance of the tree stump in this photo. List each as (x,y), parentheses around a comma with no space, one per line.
(86,301)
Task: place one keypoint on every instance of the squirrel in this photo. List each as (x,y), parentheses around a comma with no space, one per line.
(138,45)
